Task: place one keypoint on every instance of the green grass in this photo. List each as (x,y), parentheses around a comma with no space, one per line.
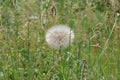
(24,54)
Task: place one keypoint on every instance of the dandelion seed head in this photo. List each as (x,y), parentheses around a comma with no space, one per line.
(59,36)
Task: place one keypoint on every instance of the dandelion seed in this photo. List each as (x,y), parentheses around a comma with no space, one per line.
(45,20)
(38,39)
(33,17)
(59,36)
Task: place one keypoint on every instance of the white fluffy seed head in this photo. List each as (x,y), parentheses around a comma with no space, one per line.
(59,36)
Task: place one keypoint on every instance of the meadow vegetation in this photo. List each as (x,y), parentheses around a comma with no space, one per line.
(94,54)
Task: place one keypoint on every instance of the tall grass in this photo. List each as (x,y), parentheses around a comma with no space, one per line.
(94,54)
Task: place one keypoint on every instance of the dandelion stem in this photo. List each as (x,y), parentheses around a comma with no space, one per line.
(29,58)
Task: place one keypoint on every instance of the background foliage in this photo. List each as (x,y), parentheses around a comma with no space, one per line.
(94,55)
